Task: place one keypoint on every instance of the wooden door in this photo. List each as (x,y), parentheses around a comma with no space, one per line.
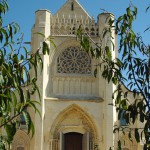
(73,141)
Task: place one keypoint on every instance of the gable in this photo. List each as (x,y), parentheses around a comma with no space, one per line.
(73,10)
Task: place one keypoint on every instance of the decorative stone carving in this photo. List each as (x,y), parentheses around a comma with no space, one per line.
(74,60)
(21,141)
(73,73)
(70,26)
(85,87)
(54,144)
(73,119)
(82,118)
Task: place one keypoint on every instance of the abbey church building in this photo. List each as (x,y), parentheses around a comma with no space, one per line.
(75,114)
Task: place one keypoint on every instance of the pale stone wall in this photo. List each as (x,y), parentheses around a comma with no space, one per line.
(73,116)
(74,111)
(72,102)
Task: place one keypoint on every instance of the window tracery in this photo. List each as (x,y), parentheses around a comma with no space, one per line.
(74,60)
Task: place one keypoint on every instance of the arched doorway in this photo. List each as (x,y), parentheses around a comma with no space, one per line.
(73,141)
(70,124)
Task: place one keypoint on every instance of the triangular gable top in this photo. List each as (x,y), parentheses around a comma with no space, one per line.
(72,9)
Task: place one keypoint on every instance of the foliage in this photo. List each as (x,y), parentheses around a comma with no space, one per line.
(16,84)
(130,73)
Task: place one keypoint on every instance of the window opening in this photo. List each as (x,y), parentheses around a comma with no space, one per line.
(74,60)
(122,119)
(72,6)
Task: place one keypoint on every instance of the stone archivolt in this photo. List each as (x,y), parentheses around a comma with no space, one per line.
(21,141)
(72,78)
(73,116)
(73,119)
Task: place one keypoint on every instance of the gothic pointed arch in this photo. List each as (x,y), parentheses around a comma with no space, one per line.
(21,141)
(73,119)
(62,46)
(70,63)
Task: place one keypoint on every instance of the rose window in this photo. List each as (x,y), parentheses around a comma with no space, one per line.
(74,60)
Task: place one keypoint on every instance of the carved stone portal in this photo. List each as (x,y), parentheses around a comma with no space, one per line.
(73,119)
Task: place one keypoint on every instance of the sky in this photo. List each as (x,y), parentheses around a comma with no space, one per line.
(23,12)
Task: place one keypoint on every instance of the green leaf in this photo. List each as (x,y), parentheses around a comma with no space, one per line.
(10,31)
(14,99)
(119,145)
(32,129)
(105,31)
(147,8)
(119,19)
(51,41)
(148,28)
(27,95)
(45,48)
(28,121)
(128,11)
(114,80)
(41,34)
(4,32)
(10,130)
(33,105)
(108,53)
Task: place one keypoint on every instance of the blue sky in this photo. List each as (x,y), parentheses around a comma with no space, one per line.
(23,12)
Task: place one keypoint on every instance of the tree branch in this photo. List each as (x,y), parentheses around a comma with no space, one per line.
(10,120)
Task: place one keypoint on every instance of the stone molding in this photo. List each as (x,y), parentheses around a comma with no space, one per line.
(61,124)
(21,139)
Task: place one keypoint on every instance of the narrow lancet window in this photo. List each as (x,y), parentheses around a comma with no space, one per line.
(72,6)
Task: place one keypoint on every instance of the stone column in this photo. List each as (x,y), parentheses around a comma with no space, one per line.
(42,25)
(54,144)
(109,112)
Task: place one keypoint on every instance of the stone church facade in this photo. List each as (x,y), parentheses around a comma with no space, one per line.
(74,107)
